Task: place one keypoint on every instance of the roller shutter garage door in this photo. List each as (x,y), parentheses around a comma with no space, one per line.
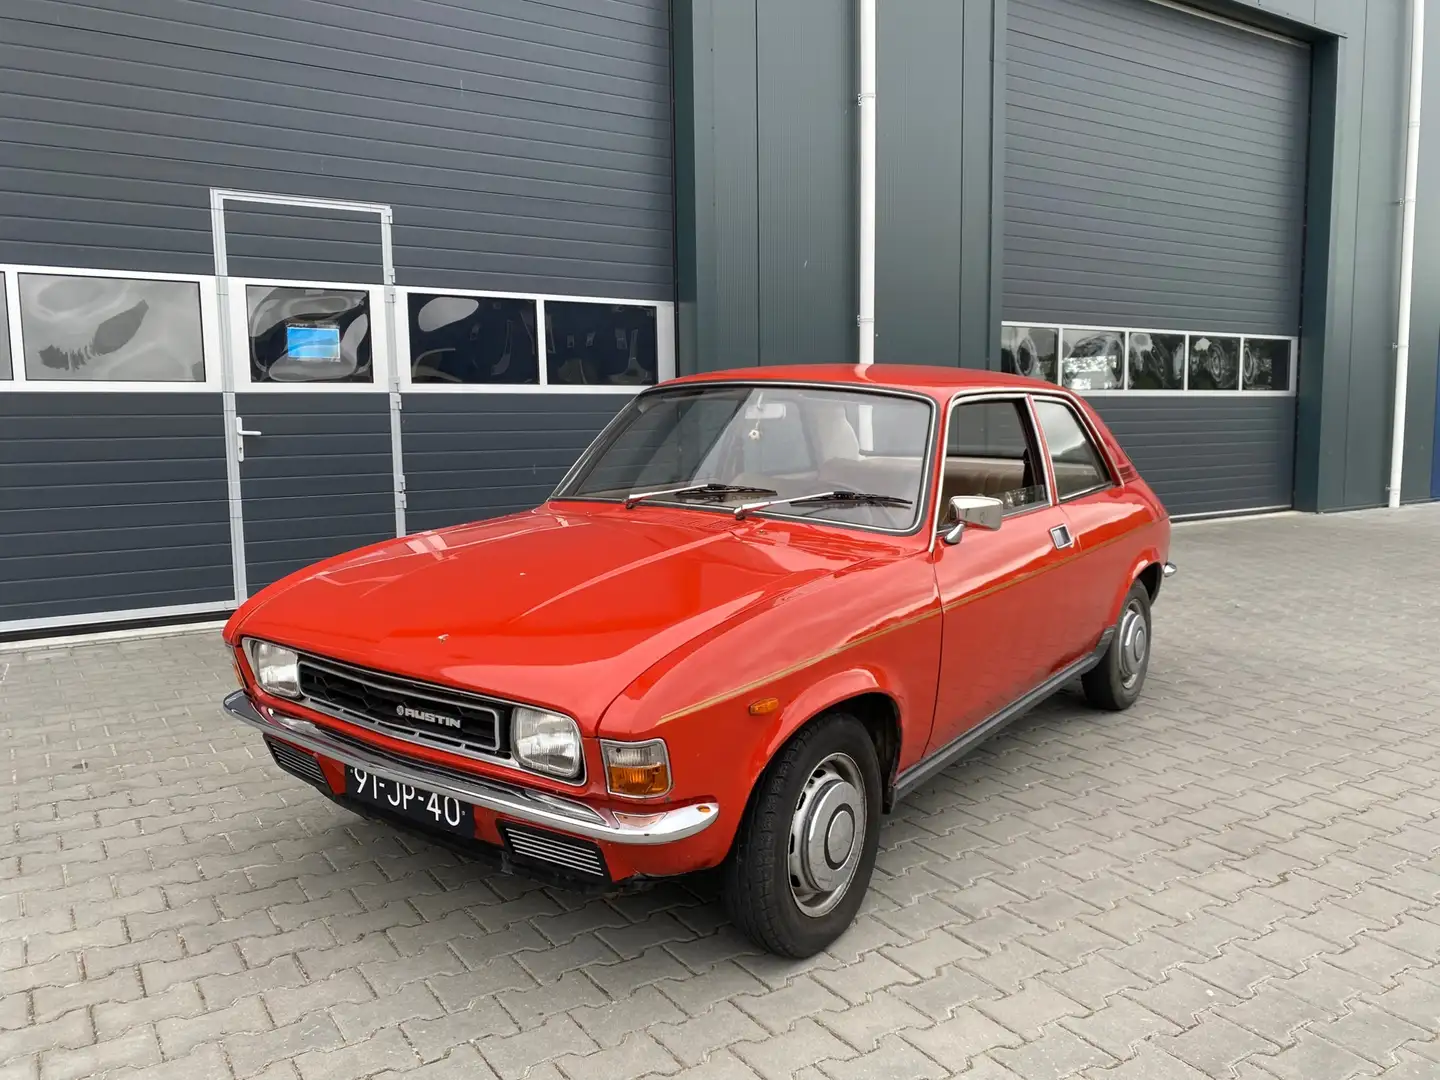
(1154,226)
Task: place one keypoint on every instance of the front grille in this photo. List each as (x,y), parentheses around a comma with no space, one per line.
(579,856)
(297,762)
(417,712)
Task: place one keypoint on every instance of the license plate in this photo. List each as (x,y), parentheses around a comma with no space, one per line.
(412,803)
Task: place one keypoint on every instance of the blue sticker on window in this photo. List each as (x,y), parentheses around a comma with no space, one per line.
(312,342)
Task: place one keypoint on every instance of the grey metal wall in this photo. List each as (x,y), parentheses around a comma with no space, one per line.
(316,481)
(1155,168)
(934,184)
(1246,446)
(765,176)
(524,146)
(111,502)
(474,456)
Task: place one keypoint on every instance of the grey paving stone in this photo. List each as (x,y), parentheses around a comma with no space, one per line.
(1235,880)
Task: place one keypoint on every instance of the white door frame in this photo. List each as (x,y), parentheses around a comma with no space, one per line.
(219,197)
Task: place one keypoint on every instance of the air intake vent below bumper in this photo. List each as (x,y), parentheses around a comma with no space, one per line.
(572,854)
(297,763)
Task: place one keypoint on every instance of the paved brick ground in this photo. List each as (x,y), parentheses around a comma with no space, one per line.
(1238,878)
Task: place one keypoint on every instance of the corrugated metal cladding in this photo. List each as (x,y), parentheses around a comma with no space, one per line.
(111,502)
(525,146)
(1155,179)
(1155,169)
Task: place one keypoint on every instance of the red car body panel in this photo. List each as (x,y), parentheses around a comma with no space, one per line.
(671,622)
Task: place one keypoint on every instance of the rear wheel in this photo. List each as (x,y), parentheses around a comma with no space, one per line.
(806,849)
(1114,684)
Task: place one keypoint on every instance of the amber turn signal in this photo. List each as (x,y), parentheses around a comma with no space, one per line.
(636,770)
(764,706)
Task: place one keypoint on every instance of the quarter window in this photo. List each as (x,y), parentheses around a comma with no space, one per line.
(991,450)
(1079,468)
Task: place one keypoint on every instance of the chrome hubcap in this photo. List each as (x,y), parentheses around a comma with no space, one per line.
(1134,644)
(827,835)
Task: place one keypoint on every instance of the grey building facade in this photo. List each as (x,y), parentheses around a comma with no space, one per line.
(454,238)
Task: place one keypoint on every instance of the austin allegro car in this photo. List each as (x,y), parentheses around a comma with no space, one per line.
(761,608)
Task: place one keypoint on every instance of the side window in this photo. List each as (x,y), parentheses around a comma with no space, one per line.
(991,450)
(1079,468)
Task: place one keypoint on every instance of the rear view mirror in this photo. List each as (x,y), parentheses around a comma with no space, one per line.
(771,410)
(978,511)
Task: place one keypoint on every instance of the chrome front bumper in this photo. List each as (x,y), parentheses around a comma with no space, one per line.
(514,803)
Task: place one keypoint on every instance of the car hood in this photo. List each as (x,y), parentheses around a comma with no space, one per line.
(555,608)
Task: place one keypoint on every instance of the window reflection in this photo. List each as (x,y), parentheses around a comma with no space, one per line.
(1093,359)
(309,334)
(1214,362)
(1029,351)
(600,344)
(1267,364)
(1157,361)
(96,328)
(5,370)
(472,340)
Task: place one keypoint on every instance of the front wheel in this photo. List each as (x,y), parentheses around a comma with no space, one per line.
(806,848)
(1114,683)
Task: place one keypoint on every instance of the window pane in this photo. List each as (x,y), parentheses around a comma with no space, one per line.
(5,369)
(1029,351)
(788,440)
(600,344)
(1214,362)
(1078,465)
(1093,359)
(1157,361)
(96,328)
(989,452)
(1267,364)
(303,335)
(472,339)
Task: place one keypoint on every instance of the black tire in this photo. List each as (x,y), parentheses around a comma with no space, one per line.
(759,893)
(1115,683)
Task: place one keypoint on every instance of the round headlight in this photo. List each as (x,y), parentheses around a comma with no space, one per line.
(546,742)
(277,668)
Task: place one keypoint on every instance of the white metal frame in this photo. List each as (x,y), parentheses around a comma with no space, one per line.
(210,345)
(20,626)
(1125,332)
(382,321)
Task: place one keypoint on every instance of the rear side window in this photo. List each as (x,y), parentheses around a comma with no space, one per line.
(1079,468)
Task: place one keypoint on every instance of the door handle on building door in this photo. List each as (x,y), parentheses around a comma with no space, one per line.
(240,432)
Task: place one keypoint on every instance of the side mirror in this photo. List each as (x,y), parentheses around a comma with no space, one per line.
(978,510)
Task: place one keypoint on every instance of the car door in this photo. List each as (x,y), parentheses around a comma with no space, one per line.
(995,586)
(1098,516)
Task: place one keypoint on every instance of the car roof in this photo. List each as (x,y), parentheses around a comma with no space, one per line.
(937,382)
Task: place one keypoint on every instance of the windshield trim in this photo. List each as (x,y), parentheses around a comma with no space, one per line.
(928,467)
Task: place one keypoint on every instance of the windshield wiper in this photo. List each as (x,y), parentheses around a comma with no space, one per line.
(847,498)
(699,491)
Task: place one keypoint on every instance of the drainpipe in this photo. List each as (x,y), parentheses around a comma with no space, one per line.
(866,319)
(1407,248)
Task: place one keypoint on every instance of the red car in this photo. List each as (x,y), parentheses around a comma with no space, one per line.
(762,607)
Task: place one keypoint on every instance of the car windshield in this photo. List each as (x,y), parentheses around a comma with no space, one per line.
(724,446)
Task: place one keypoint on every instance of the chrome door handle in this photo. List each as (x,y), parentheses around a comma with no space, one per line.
(1060,534)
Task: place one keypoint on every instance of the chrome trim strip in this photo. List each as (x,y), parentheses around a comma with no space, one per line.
(535,808)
